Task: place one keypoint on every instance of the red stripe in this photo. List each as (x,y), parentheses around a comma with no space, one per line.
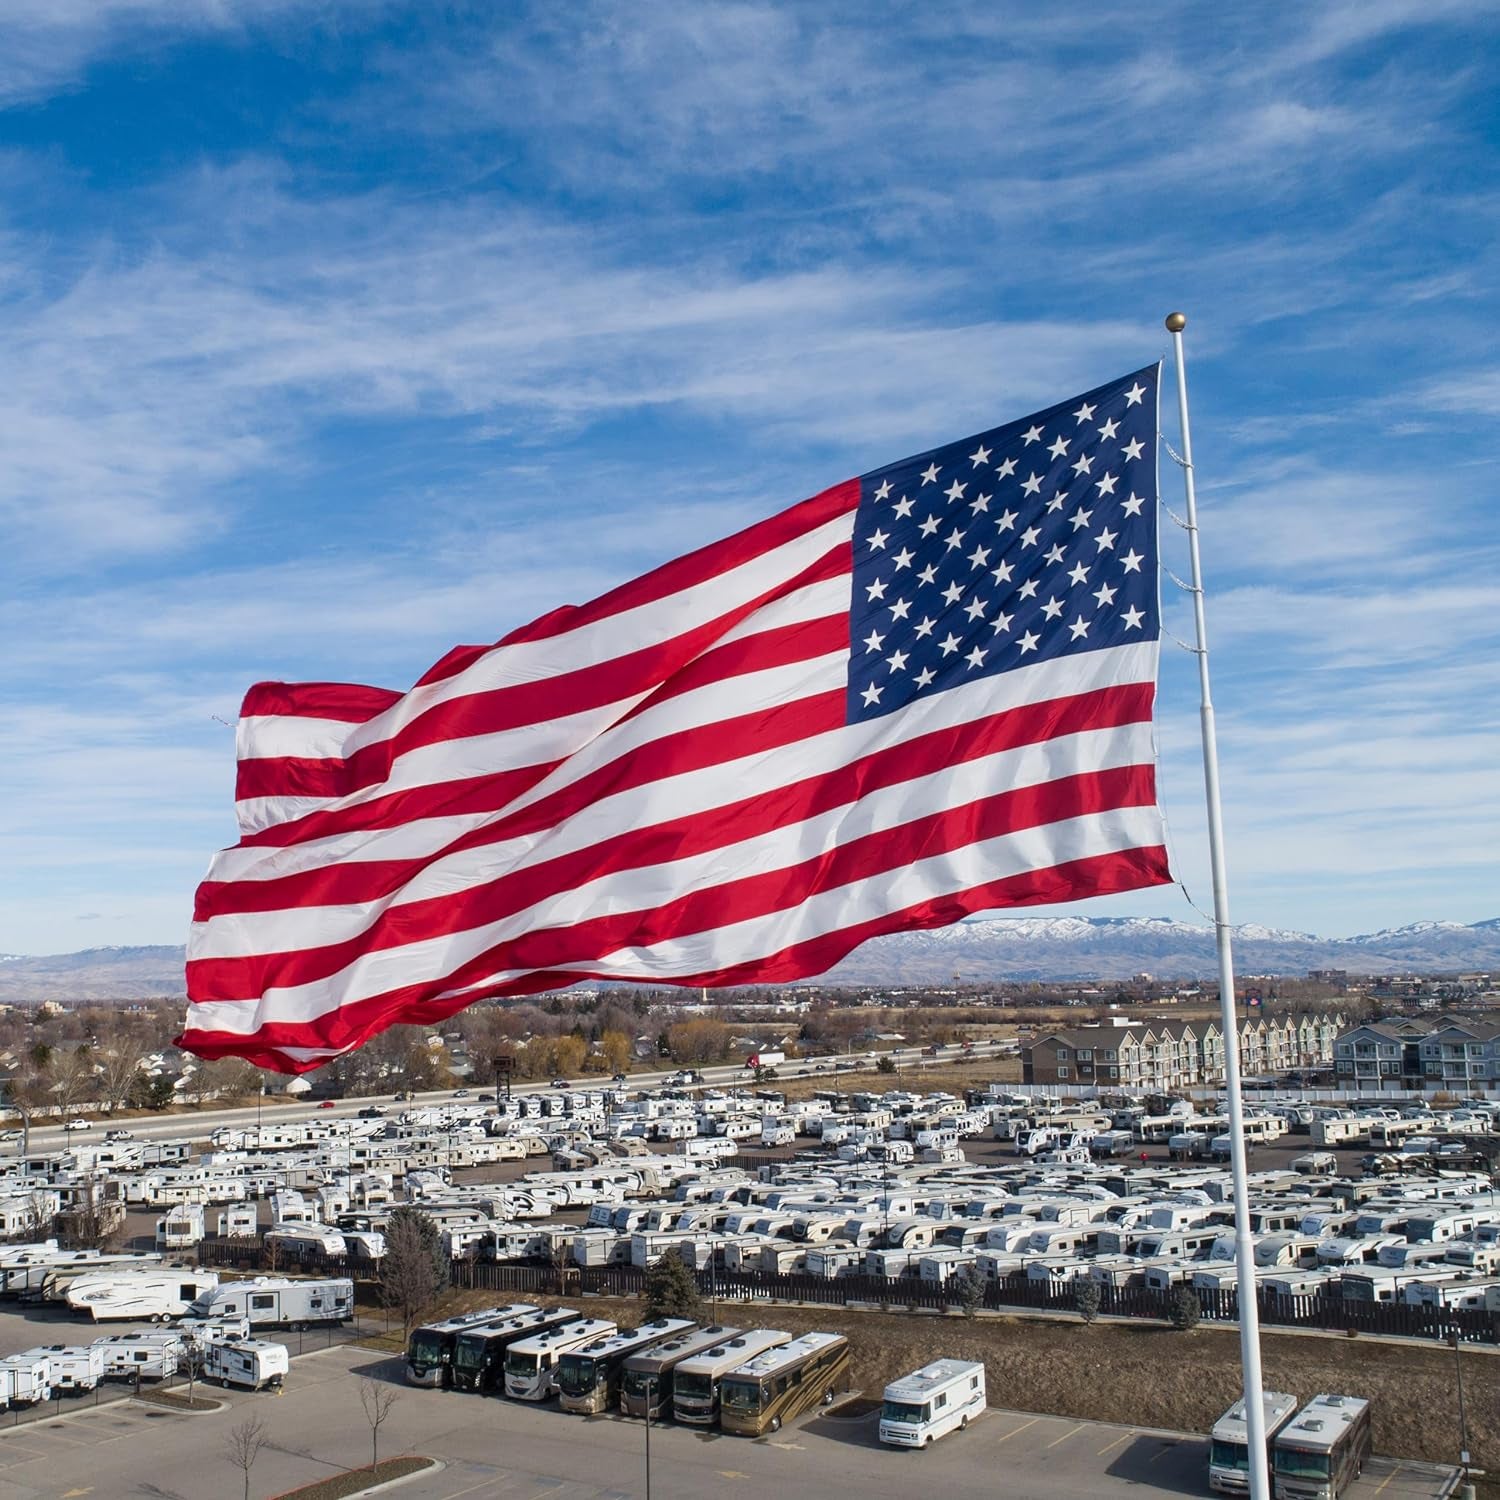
(346,702)
(553,697)
(693,911)
(352,1024)
(356,881)
(681,573)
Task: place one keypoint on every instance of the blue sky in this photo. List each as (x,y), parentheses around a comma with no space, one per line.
(336,334)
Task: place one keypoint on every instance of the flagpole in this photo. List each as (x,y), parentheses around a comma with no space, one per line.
(1244,1245)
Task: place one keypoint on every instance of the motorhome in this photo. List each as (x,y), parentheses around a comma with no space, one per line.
(696,1381)
(429,1350)
(141,1295)
(782,1383)
(1229,1447)
(588,1376)
(648,1377)
(250,1364)
(921,1407)
(73,1367)
(531,1363)
(1319,1454)
(281,1301)
(479,1352)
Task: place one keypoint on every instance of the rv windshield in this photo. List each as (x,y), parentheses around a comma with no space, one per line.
(693,1385)
(520,1364)
(638,1382)
(468,1354)
(1300,1465)
(1229,1455)
(904,1411)
(740,1395)
(425,1349)
(576,1374)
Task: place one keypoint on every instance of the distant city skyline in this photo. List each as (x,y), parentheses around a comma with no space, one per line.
(341,334)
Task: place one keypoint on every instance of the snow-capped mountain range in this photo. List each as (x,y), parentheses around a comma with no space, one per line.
(978,951)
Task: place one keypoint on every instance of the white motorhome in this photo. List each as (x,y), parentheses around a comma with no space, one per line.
(140,1295)
(531,1364)
(250,1364)
(1229,1450)
(280,1301)
(921,1407)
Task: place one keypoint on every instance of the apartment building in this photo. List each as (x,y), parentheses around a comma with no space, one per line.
(1170,1055)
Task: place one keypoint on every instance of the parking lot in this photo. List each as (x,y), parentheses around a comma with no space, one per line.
(500,1448)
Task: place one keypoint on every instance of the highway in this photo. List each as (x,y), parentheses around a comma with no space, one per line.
(200,1124)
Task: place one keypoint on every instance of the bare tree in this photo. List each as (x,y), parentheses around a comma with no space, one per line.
(377,1398)
(121,1064)
(242,1447)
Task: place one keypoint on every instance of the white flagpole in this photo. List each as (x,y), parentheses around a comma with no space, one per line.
(1244,1245)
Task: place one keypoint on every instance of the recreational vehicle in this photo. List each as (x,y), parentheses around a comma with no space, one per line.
(921,1407)
(1320,1453)
(141,1295)
(479,1352)
(73,1367)
(646,1382)
(140,1356)
(250,1364)
(588,1376)
(696,1381)
(531,1363)
(25,1379)
(1229,1450)
(429,1350)
(783,1383)
(280,1302)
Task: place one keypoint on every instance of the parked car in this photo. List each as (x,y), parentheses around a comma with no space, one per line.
(79,1125)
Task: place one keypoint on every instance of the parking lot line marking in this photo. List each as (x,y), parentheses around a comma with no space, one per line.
(1021,1428)
(1067,1435)
(1394,1472)
(1125,1439)
(732,1474)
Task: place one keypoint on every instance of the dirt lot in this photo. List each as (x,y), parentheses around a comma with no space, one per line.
(1154,1376)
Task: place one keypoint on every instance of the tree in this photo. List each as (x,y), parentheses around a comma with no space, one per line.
(671,1290)
(242,1447)
(121,1065)
(887,1064)
(967,1287)
(568,1053)
(1088,1298)
(1184,1309)
(377,1398)
(615,1045)
(415,1271)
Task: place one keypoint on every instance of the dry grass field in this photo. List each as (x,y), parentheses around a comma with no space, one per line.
(1152,1375)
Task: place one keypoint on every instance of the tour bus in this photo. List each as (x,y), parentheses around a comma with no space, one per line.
(1229,1453)
(695,1382)
(783,1383)
(647,1380)
(479,1353)
(531,1363)
(429,1350)
(920,1407)
(1319,1454)
(588,1375)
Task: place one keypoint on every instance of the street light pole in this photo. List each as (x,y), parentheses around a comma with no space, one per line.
(1463,1421)
(650,1401)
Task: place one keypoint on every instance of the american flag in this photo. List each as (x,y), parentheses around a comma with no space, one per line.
(921,694)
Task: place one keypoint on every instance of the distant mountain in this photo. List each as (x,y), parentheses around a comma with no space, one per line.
(1101,948)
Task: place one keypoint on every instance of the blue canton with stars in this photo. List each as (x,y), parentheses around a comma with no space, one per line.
(1033,541)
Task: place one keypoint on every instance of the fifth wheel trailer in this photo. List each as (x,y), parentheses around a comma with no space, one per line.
(280,1302)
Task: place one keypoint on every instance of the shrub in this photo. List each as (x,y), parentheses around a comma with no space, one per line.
(671,1290)
(1088,1298)
(1184,1309)
(966,1286)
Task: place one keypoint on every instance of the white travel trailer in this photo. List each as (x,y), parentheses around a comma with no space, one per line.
(140,1356)
(141,1295)
(250,1364)
(73,1367)
(26,1379)
(180,1228)
(921,1407)
(306,1239)
(280,1301)
(239,1221)
(531,1364)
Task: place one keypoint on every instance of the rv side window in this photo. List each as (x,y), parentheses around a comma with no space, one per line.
(262,1300)
(973,1382)
(942,1401)
(187,1293)
(317,1302)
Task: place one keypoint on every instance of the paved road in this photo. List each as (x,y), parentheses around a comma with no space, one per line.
(198,1126)
(504,1449)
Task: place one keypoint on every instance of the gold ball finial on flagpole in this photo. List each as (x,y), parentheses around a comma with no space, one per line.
(1176,322)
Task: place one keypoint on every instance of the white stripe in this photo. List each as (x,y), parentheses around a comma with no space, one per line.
(540,742)
(642,888)
(859,901)
(614,636)
(271,736)
(426,838)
